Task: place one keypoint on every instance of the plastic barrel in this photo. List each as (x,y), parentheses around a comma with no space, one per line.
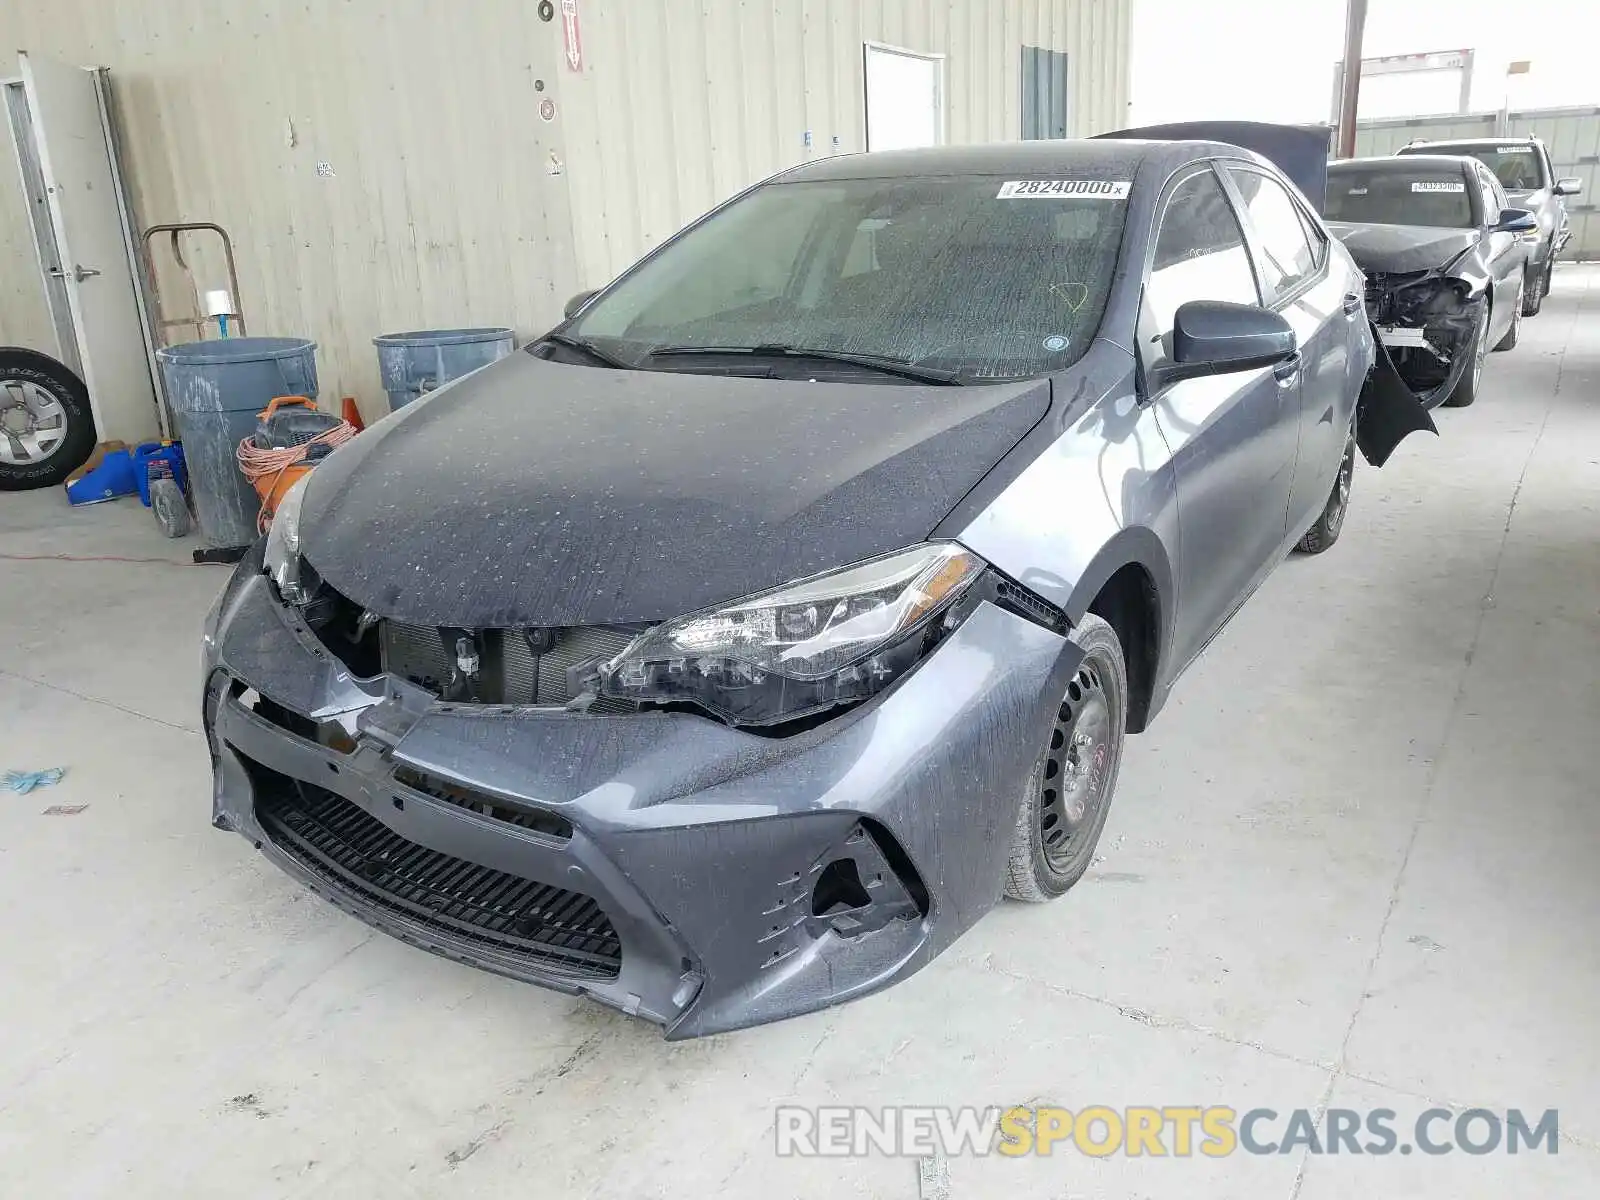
(216,388)
(415,363)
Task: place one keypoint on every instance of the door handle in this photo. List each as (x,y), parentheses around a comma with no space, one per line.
(1288,370)
(79,272)
(1352,304)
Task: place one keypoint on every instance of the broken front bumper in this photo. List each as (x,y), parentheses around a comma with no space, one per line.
(699,876)
(1429,324)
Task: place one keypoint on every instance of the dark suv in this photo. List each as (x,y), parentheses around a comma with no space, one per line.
(1522,165)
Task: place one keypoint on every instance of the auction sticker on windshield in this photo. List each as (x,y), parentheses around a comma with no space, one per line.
(1054,189)
(1438,185)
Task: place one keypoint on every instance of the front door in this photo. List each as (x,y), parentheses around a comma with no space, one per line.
(92,260)
(1232,436)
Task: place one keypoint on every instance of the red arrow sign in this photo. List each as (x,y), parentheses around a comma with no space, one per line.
(570,34)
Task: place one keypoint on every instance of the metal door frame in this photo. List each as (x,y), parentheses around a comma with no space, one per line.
(25,144)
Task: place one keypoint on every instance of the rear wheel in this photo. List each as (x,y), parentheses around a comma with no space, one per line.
(1326,531)
(46,429)
(1466,389)
(1069,790)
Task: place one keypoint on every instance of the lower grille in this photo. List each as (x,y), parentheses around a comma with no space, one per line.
(547,927)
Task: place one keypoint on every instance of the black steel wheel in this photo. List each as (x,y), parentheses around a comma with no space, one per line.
(1069,790)
(1326,531)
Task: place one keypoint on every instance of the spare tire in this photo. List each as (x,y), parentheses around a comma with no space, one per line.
(46,426)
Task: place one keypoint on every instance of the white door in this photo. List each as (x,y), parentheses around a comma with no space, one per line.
(905,98)
(76,164)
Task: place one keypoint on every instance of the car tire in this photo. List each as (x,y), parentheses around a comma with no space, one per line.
(1326,530)
(1069,790)
(1535,286)
(1509,341)
(1466,390)
(39,394)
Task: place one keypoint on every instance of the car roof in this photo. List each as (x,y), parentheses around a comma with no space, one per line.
(1414,162)
(1077,156)
(1426,147)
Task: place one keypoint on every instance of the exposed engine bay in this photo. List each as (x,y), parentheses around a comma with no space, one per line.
(1430,324)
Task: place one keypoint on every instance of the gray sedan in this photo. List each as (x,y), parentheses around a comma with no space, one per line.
(729,651)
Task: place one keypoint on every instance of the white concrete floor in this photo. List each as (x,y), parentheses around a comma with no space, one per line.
(1352,865)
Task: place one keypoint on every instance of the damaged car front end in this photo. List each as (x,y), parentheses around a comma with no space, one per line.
(1443,261)
(695,873)
(525,762)
(1432,323)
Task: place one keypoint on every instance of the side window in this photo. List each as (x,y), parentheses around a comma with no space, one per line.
(1314,235)
(1199,255)
(1286,256)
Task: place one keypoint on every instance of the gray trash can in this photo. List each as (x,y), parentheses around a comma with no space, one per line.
(216,388)
(413,364)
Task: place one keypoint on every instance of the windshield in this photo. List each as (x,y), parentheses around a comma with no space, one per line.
(1518,168)
(987,277)
(1389,196)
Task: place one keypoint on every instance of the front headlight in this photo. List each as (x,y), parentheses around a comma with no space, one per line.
(282,557)
(806,646)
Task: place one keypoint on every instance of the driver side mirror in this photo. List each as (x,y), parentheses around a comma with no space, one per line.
(1212,337)
(1570,186)
(1515,220)
(575,305)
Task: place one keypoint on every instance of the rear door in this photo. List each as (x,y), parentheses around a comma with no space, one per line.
(1232,436)
(1291,256)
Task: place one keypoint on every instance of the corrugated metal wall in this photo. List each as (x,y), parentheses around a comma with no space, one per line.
(451,202)
(1572,135)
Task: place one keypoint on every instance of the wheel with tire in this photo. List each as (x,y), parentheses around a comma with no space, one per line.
(1466,389)
(1536,286)
(1069,791)
(46,428)
(1509,341)
(1326,531)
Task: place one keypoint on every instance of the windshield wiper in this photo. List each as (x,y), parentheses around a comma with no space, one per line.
(585,346)
(873,362)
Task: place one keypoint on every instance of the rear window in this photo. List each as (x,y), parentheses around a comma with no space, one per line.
(1385,196)
(1518,168)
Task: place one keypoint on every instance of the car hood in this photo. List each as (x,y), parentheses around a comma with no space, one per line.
(1393,248)
(1529,198)
(533,493)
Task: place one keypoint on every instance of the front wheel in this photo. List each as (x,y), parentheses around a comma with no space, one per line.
(1326,531)
(1069,790)
(1466,389)
(1536,287)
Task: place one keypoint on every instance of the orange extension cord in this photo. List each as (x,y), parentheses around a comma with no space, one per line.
(269,465)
